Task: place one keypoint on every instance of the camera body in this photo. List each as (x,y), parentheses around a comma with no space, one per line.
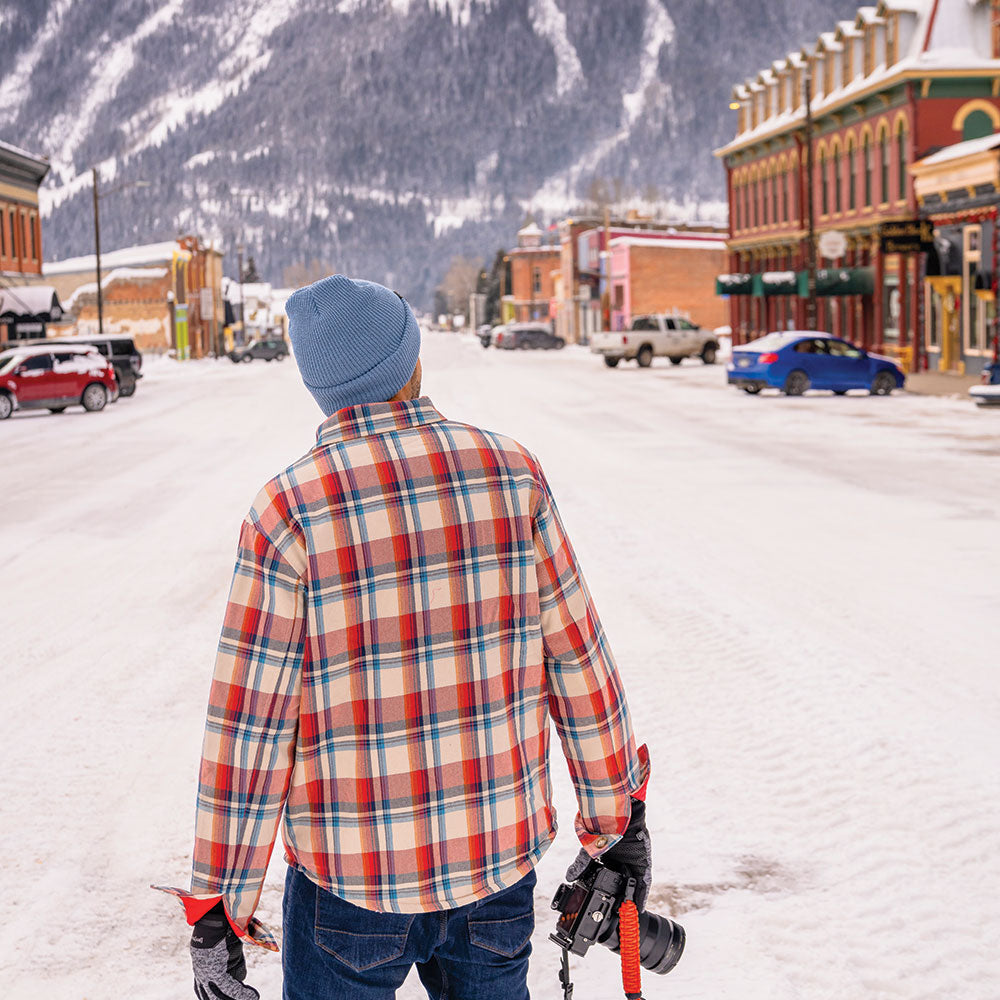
(588,914)
(588,909)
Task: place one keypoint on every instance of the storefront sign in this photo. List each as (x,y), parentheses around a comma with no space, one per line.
(833,244)
(909,236)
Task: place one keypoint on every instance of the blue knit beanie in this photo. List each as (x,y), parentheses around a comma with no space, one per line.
(354,341)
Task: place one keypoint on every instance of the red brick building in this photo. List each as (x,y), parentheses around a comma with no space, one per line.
(902,79)
(21,174)
(651,274)
(533,269)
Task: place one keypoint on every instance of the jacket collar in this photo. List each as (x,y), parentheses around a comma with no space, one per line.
(366,419)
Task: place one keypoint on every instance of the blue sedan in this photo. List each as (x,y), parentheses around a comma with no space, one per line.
(800,360)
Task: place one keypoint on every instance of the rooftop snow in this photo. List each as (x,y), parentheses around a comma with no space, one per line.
(149,253)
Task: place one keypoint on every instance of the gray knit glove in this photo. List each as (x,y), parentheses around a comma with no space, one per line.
(217,957)
(630,856)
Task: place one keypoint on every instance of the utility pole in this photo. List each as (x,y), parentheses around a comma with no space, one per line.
(606,297)
(811,205)
(243,328)
(97,247)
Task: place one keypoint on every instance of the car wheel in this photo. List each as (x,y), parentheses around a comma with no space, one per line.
(247,358)
(751,390)
(611,362)
(94,398)
(128,388)
(56,409)
(234,360)
(883,384)
(676,361)
(560,344)
(840,392)
(796,383)
(281,357)
(708,354)
(645,356)
(6,406)
(270,359)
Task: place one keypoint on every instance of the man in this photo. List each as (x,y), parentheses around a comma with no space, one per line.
(406,613)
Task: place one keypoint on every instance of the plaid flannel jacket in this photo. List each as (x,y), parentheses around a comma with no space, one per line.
(406,613)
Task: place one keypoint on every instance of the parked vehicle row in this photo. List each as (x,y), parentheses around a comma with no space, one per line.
(656,336)
(120,350)
(53,378)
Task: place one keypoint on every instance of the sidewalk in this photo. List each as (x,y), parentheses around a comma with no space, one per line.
(940,384)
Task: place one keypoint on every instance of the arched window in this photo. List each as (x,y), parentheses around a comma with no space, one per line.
(866,166)
(977,125)
(837,182)
(884,165)
(824,186)
(901,162)
(852,177)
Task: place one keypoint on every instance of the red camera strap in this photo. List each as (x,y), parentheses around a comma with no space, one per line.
(628,937)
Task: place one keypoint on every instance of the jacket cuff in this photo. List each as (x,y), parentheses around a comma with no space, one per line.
(196,905)
(643,755)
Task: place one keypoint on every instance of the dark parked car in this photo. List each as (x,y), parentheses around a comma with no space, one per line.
(269,348)
(528,336)
(44,378)
(799,360)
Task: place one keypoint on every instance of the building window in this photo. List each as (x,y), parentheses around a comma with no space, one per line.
(824,186)
(847,61)
(852,177)
(866,165)
(784,195)
(837,183)
(901,163)
(774,197)
(869,52)
(3,234)
(884,157)
(536,280)
(977,125)
(995,27)
(33,226)
(13,234)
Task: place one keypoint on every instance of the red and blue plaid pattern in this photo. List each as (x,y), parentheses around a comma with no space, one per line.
(405,615)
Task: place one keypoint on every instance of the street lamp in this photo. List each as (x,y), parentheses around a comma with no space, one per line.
(97,237)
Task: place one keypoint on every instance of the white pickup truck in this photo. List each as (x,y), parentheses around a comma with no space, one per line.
(656,336)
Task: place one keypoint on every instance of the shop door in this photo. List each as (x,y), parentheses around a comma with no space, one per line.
(950,331)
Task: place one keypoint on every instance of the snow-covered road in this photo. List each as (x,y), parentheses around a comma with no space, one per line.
(802,595)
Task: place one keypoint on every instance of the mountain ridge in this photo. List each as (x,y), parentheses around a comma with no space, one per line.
(379,136)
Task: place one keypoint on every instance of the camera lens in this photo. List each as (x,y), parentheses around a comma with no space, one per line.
(661,942)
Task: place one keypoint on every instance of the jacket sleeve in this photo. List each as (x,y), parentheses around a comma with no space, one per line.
(585,694)
(250,734)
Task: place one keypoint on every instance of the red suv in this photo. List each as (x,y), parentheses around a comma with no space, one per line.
(52,378)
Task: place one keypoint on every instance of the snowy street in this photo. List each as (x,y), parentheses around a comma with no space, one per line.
(802,596)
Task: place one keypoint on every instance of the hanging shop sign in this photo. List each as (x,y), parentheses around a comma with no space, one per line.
(906,236)
(833,244)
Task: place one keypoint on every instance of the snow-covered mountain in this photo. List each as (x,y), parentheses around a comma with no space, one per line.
(379,136)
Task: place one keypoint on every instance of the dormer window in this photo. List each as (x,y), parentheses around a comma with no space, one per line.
(869,44)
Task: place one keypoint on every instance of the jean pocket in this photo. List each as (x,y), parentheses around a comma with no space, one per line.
(509,937)
(373,939)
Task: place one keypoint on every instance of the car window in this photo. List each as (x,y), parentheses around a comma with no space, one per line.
(668,324)
(644,323)
(37,362)
(686,325)
(6,364)
(841,349)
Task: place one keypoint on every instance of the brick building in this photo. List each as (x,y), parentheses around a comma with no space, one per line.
(532,278)
(581,279)
(904,78)
(26,306)
(167,296)
(656,274)
(21,174)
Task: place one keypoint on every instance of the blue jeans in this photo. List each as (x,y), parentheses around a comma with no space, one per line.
(334,950)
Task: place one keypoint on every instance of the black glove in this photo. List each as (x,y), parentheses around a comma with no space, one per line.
(217,957)
(631,856)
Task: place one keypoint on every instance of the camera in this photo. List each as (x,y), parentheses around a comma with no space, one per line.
(588,913)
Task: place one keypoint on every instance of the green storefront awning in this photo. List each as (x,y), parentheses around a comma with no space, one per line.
(733,284)
(781,283)
(845,281)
